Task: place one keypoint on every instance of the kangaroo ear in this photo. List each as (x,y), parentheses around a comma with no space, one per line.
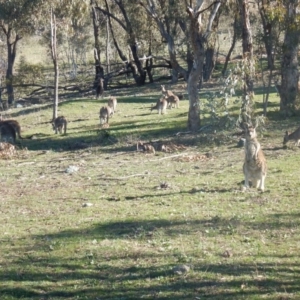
(286,133)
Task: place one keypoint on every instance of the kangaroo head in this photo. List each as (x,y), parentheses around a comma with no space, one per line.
(250,132)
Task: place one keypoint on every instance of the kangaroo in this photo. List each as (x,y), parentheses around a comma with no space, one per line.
(100,88)
(59,124)
(112,103)
(166,92)
(145,147)
(292,136)
(255,166)
(173,99)
(105,113)
(8,133)
(15,124)
(161,105)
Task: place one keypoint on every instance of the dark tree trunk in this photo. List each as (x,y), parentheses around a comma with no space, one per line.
(248,64)
(11,45)
(164,28)
(189,58)
(268,34)
(210,52)
(195,75)
(289,63)
(116,44)
(198,40)
(210,62)
(99,70)
(140,75)
(234,38)
(149,62)
(55,63)
(289,73)
(247,46)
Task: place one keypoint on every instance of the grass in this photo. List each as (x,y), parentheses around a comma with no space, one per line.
(150,214)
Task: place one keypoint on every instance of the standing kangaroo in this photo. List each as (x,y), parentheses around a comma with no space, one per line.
(161,105)
(112,103)
(170,96)
(255,166)
(293,136)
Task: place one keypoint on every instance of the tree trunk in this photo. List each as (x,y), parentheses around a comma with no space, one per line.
(107,52)
(198,40)
(99,70)
(248,95)
(165,33)
(176,68)
(289,63)
(210,52)
(234,38)
(268,33)
(210,62)
(11,56)
(140,75)
(247,46)
(55,63)
(195,75)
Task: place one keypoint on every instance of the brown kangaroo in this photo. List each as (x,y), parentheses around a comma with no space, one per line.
(104,114)
(255,165)
(292,136)
(59,124)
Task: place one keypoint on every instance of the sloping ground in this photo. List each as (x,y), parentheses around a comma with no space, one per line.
(86,216)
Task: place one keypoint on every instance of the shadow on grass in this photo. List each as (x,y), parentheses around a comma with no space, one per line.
(133,275)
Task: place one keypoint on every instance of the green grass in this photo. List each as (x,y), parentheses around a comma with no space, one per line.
(127,243)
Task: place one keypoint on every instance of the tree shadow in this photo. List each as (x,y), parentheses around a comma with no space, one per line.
(48,276)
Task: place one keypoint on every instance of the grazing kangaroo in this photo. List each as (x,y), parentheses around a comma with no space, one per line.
(15,124)
(59,124)
(7,132)
(140,146)
(104,114)
(255,166)
(112,103)
(292,136)
(161,105)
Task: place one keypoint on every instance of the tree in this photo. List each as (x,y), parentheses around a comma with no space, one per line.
(17,19)
(248,62)
(289,61)
(167,18)
(99,70)
(128,10)
(198,38)
(54,57)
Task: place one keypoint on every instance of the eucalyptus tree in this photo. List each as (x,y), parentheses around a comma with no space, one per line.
(169,16)
(97,22)
(289,60)
(64,17)
(248,62)
(17,19)
(271,27)
(201,16)
(130,17)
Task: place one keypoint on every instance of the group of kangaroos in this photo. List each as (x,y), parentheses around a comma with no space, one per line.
(168,100)
(254,167)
